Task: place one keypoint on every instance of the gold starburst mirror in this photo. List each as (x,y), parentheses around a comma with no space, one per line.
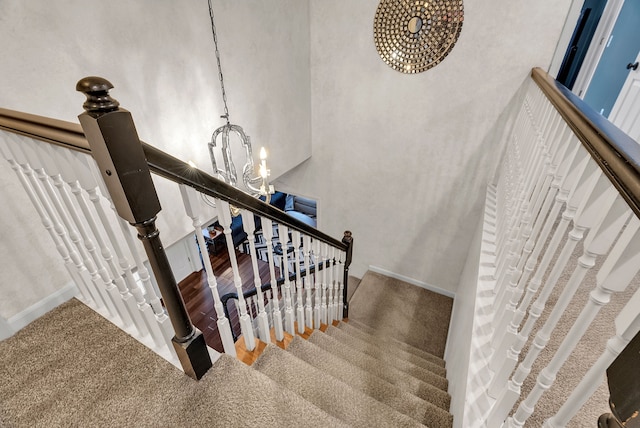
(413,36)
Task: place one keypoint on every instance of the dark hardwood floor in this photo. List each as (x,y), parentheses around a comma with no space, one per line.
(199,301)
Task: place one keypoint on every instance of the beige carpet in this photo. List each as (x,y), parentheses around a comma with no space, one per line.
(403,311)
(73,368)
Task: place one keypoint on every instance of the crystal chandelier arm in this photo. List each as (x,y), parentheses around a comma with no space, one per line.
(227,157)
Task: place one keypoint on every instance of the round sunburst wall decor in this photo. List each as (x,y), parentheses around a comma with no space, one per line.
(412,36)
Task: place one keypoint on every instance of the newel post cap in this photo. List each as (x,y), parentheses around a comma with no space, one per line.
(96,89)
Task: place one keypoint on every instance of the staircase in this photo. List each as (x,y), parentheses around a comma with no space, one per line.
(361,379)
(345,374)
(358,374)
(312,357)
(307,366)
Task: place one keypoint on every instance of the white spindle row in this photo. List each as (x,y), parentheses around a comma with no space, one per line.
(58,182)
(547,183)
(312,278)
(102,255)
(317,289)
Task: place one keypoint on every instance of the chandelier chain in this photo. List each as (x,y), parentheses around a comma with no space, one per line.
(220,76)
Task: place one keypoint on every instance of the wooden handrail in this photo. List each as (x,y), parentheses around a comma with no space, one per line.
(71,136)
(54,131)
(617,154)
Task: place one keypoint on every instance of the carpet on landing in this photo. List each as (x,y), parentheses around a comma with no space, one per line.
(408,313)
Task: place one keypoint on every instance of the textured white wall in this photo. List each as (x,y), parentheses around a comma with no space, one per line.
(159,55)
(400,159)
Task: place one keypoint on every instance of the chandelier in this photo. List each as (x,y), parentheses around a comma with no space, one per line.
(255,185)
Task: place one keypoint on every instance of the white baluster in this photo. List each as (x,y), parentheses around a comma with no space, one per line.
(583,199)
(105,250)
(323,302)
(331,305)
(89,179)
(533,246)
(193,209)
(317,283)
(340,284)
(627,326)
(504,191)
(297,260)
(616,273)
(48,224)
(93,262)
(127,285)
(289,318)
(40,184)
(267,230)
(308,282)
(576,170)
(263,321)
(520,201)
(535,155)
(535,195)
(224,217)
(46,170)
(529,235)
(598,242)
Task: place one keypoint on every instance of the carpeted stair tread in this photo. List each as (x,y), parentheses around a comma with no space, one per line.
(432,389)
(329,394)
(402,310)
(253,399)
(72,367)
(430,414)
(399,357)
(367,333)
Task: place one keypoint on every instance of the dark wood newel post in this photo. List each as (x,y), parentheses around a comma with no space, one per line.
(348,240)
(116,148)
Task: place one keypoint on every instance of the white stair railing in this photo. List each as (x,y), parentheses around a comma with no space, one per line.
(615,275)
(311,264)
(69,193)
(560,180)
(55,231)
(627,326)
(58,183)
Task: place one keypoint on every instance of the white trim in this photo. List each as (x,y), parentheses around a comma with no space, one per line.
(5,329)
(597,46)
(23,318)
(415,282)
(565,37)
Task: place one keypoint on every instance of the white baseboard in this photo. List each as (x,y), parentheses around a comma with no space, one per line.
(5,329)
(8,327)
(412,281)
